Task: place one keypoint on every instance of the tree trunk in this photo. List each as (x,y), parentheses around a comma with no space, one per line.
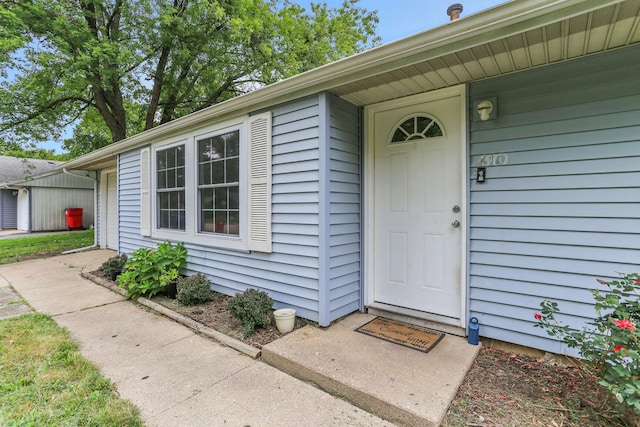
(157,88)
(106,92)
(112,111)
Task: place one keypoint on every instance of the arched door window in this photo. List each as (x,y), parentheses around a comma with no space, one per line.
(416,128)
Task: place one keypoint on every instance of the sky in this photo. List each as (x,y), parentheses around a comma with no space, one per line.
(398,19)
(401,18)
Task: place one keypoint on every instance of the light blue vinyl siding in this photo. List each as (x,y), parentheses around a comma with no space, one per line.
(344,262)
(563,211)
(290,274)
(129,204)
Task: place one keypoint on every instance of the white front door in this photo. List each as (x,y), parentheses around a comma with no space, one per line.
(418,206)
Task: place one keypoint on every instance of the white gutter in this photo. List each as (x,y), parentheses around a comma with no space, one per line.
(95,212)
(510,18)
(8,187)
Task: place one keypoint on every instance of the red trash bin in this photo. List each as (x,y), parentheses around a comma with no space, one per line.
(74,218)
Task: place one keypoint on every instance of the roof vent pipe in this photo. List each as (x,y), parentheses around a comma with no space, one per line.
(454,11)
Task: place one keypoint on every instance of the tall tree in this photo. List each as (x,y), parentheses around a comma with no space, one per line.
(123,66)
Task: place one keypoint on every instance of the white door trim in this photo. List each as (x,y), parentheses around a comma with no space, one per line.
(103,208)
(23,210)
(369,202)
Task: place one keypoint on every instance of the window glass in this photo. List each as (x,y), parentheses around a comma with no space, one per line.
(161,160)
(234,197)
(218,183)
(217,172)
(416,128)
(170,173)
(171,158)
(232,169)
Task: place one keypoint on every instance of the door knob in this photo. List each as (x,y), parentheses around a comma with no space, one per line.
(455,224)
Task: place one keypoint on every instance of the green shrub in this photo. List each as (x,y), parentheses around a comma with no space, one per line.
(194,290)
(115,263)
(148,271)
(252,308)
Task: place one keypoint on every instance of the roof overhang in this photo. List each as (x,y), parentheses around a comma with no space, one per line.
(28,182)
(515,36)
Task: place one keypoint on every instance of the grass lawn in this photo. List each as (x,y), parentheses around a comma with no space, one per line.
(14,250)
(44,381)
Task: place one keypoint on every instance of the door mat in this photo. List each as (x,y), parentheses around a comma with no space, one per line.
(400,333)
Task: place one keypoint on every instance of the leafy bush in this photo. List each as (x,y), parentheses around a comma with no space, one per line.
(148,271)
(115,263)
(194,290)
(252,308)
(610,345)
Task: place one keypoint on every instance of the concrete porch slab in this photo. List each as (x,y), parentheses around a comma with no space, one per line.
(396,383)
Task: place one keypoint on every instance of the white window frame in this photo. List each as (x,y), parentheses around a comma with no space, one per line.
(191,234)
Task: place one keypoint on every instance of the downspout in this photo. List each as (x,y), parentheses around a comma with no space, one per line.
(95,212)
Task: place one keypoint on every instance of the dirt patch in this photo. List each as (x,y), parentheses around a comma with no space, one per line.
(508,389)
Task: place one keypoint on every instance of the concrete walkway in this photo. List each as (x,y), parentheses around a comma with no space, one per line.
(175,377)
(399,384)
(11,304)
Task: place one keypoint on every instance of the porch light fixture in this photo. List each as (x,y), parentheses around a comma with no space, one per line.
(486,109)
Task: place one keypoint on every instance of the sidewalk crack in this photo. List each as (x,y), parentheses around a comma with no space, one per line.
(196,392)
(86,308)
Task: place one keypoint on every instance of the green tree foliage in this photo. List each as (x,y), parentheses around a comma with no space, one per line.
(90,134)
(29,151)
(113,68)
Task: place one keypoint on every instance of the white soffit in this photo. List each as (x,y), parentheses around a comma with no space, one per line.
(604,29)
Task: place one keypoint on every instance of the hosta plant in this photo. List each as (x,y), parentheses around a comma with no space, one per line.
(610,342)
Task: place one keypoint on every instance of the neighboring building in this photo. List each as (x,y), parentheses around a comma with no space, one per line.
(471,170)
(35,193)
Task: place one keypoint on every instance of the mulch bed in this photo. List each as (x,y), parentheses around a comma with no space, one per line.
(214,314)
(509,389)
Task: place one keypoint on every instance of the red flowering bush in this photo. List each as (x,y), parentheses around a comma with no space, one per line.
(610,344)
(624,324)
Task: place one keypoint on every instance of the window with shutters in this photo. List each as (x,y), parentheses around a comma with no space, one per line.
(212,187)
